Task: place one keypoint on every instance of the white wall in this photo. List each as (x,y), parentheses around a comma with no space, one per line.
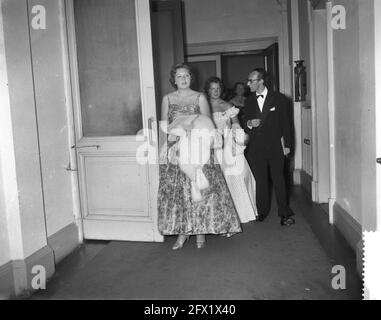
(368,112)
(27,214)
(209,21)
(38,199)
(4,240)
(223,20)
(348,106)
(4,103)
(49,82)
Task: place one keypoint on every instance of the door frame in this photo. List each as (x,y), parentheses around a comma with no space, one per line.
(320,104)
(147,92)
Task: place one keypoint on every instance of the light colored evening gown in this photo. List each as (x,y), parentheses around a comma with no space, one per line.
(241,182)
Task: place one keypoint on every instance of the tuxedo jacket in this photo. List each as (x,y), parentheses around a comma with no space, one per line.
(266,139)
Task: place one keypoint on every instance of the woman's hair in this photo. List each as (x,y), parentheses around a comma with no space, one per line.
(174,70)
(245,89)
(210,81)
(236,86)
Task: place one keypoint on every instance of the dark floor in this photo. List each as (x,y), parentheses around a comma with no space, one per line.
(265,261)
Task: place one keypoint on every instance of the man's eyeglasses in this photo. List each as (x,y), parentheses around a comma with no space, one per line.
(252,80)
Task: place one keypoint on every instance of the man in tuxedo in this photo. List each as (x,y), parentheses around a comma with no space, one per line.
(265,120)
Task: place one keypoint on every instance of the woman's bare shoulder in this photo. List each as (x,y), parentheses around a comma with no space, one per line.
(226,105)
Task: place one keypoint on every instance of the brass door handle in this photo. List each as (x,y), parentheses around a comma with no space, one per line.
(378,160)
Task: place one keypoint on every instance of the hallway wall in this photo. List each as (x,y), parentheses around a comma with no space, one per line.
(36,205)
(222,20)
(39,113)
(355,109)
(354,104)
(211,21)
(4,102)
(26,211)
(4,239)
(49,81)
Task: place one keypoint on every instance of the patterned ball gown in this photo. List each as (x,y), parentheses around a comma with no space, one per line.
(178,213)
(241,182)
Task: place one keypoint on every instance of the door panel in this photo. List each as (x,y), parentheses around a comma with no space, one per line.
(105,177)
(107,54)
(114,98)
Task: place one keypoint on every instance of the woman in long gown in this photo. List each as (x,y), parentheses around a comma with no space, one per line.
(179,214)
(238,175)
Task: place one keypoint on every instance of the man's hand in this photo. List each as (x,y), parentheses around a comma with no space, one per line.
(255,123)
(286,151)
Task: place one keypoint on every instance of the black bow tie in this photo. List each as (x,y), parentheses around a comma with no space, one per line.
(260,95)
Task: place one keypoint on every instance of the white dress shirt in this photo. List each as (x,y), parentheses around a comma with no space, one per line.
(261,101)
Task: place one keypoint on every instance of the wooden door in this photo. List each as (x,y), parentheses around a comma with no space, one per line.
(167,41)
(272,66)
(114,100)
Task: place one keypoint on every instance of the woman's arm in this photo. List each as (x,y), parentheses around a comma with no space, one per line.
(204,106)
(164,108)
(234,120)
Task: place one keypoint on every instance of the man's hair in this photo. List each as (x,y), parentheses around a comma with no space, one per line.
(262,74)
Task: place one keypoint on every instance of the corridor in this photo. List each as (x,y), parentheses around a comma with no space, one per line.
(266,261)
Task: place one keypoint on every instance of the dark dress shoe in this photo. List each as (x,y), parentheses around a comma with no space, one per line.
(260,218)
(287,221)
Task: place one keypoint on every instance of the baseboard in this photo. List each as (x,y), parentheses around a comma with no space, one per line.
(16,276)
(6,281)
(306,182)
(297,176)
(23,272)
(351,231)
(314,191)
(360,257)
(349,227)
(64,242)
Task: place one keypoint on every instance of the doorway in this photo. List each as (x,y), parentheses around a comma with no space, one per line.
(233,67)
(111,64)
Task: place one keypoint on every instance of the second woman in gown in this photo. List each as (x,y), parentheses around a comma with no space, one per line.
(241,182)
(178,213)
